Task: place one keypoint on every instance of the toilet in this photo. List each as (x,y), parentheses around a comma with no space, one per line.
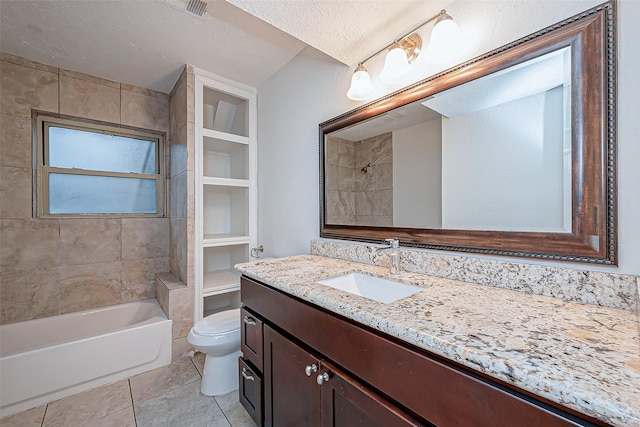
(218,337)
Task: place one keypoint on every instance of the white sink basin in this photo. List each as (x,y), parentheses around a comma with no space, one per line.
(375,288)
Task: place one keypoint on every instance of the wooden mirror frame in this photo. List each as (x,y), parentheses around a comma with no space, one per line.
(593,237)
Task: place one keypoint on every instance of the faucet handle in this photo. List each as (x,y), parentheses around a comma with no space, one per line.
(393,243)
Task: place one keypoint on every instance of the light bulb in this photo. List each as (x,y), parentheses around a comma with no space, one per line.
(445,39)
(396,65)
(361,88)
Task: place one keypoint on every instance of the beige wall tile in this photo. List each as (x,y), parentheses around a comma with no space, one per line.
(89,99)
(191,151)
(89,241)
(15,193)
(28,294)
(23,88)
(179,248)
(89,78)
(181,311)
(364,203)
(15,141)
(346,155)
(138,277)
(29,244)
(180,349)
(345,179)
(190,250)
(158,381)
(383,203)
(178,99)
(30,418)
(7,57)
(178,150)
(143,111)
(382,176)
(178,196)
(144,91)
(89,286)
(191,95)
(381,151)
(145,238)
(88,406)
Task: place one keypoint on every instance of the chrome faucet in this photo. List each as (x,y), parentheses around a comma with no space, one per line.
(394,254)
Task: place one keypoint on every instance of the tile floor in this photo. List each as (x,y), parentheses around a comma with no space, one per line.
(165,397)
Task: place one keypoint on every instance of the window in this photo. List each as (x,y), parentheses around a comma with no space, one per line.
(90,169)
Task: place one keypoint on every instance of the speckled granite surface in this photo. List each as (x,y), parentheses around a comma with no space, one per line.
(589,287)
(586,357)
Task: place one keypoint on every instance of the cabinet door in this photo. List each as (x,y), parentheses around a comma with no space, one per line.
(347,403)
(251,341)
(291,398)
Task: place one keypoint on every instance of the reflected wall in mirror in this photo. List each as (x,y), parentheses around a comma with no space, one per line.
(512,153)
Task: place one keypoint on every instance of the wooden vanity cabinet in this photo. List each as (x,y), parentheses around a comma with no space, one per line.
(371,379)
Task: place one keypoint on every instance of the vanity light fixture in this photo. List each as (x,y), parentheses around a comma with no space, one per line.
(402,52)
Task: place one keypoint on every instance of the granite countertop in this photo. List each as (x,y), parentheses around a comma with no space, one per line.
(585,357)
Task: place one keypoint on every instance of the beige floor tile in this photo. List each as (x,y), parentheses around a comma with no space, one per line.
(198,360)
(216,420)
(178,407)
(29,418)
(228,399)
(88,406)
(123,418)
(238,416)
(154,383)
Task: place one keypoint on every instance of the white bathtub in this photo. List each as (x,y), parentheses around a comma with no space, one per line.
(46,359)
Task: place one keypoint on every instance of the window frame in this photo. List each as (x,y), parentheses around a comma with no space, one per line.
(42,122)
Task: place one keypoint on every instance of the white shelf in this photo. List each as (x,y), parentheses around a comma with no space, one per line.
(225,221)
(210,133)
(225,182)
(224,239)
(220,282)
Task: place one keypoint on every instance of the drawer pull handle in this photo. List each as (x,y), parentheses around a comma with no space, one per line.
(249,320)
(322,378)
(310,369)
(247,376)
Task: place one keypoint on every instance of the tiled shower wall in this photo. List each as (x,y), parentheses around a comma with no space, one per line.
(182,181)
(55,266)
(354,196)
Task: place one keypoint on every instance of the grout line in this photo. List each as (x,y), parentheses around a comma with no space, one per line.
(44,414)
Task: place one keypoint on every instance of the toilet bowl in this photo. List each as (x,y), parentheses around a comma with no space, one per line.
(218,337)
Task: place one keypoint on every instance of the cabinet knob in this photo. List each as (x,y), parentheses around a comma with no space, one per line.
(310,369)
(246,374)
(322,378)
(249,320)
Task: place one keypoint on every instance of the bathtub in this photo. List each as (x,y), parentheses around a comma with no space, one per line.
(46,359)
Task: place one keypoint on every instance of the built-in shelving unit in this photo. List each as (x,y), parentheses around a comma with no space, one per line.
(225,169)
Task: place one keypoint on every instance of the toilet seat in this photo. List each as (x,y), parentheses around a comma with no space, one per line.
(222,323)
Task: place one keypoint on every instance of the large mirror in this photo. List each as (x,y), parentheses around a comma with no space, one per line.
(512,153)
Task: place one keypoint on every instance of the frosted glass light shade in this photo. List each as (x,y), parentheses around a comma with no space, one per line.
(445,39)
(396,65)
(361,88)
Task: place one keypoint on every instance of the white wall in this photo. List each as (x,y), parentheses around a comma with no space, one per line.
(501,166)
(417,175)
(311,89)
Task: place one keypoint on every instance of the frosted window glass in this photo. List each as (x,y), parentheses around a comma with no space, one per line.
(72,148)
(73,194)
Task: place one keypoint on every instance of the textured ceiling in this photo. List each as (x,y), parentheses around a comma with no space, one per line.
(144,42)
(147,42)
(347,30)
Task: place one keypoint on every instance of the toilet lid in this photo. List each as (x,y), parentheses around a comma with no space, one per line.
(219,323)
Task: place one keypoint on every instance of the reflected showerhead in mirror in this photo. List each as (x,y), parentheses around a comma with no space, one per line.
(365,169)
(402,52)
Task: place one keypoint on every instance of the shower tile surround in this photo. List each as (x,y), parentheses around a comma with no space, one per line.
(583,356)
(355,197)
(55,266)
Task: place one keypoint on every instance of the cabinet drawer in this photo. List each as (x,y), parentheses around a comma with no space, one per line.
(251,344)
(250,391)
